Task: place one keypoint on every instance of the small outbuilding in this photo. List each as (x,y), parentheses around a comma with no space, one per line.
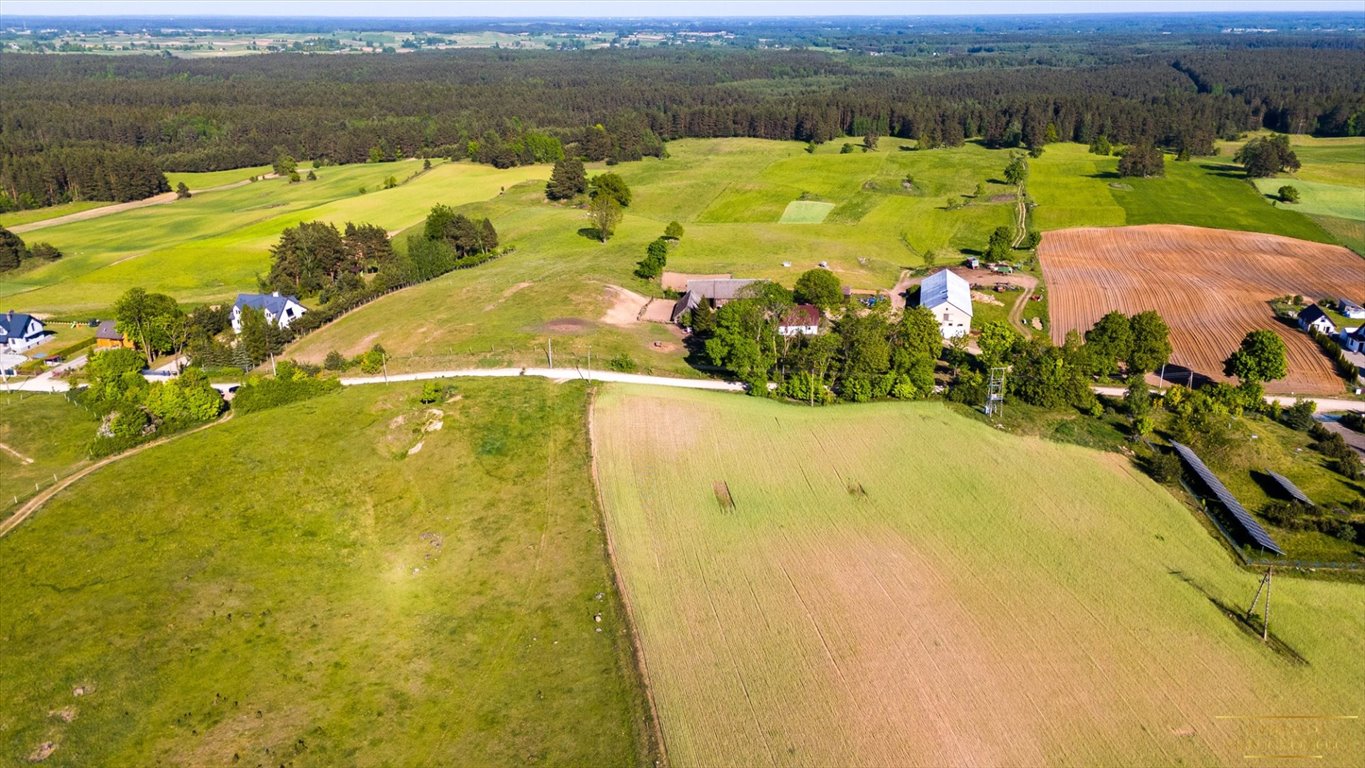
(949,297)
(1313,318)
(108,337)
(280,311)
(1353,340)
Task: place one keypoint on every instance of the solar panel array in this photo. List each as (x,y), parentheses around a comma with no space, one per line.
(1252,528)
(1290,488)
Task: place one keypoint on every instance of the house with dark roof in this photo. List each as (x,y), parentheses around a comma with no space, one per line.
(949,297)
(717,293)
(20,331)
(108,337)
(800,320)
(1351,309)
(279,311)
(1353,340)
(1313,318)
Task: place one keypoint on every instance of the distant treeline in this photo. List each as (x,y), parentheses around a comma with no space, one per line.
(506,108)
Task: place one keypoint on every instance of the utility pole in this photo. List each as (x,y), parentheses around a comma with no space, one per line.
(550,351)
(385,358)
(1264,585)
(273,372)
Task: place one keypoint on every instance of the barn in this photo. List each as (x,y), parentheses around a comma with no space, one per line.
(949,297)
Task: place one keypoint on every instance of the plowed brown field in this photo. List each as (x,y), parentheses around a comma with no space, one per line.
(1210,285)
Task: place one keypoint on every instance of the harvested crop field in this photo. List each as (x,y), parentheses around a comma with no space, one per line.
(1210,285)
(833,587)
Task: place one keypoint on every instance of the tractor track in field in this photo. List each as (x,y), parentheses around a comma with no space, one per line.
(34,504)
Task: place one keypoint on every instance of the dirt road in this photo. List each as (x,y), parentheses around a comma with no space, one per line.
(37,502)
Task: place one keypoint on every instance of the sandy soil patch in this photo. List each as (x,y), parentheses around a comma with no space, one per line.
(568,325)
(986,298)
(1211,286)
(625,306)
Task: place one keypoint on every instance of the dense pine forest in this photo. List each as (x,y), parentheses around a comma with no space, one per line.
(98,127)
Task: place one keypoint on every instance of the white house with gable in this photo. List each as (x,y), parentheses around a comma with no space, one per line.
(949,297)
(279,310)
(20,331)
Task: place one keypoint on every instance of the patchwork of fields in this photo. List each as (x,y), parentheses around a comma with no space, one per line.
(1211,287)
(898,585)
(428,587)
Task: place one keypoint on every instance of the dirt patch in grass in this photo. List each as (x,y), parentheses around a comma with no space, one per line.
(568,325)
(1001,199)
(677,281)
(625,306)
(505,294)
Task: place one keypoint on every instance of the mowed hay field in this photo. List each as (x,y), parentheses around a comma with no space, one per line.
(420,587)
(1211,286)
(898,585)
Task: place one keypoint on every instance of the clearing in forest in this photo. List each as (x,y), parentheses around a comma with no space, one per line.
(805,212)
(1211,286)
(896,584)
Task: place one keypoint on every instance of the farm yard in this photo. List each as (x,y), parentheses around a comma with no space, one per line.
(431,589)
(839,586)
(1211,287)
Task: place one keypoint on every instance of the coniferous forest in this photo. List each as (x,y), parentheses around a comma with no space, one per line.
(98,127)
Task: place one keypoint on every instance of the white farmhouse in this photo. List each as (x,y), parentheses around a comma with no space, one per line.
(20,331)
(1312,318)
(949,297)
(279,310)
(801,320)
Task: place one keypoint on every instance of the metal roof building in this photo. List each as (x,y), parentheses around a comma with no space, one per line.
(945,287)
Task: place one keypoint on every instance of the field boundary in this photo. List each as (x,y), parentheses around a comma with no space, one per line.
(656,733)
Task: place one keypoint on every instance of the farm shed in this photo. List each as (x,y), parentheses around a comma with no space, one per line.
(278,310)
(108,337)
(717,292)
(1351,309)
(1312,318)
(949,297)
(800,320)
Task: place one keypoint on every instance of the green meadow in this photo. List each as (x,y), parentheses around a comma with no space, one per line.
(1074,188)
(16,218)
(1319,199)
(865,585)
(430,589)
(211,246)
(210,179)
(50,436)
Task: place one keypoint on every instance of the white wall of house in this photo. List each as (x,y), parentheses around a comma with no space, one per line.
(952,321)
(798,330)
(33,336)
(292,311)
(1321,325)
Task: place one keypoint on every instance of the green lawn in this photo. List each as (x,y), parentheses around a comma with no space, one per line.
(213,245)
(1074,188)
(1317,198)
(45,428)
(221,601)
(898,585)
(805,212)
(208,179)
(15,218)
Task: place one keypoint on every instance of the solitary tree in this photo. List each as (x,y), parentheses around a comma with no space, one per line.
(613,186)
(1151,343)
(605,213)
(674,231)
(1101,146)
(870,141)
(820,287)
(182,192)
(284,164)
(1288,194)
(1142,159)
(567,180)
(1016,172)
(998,249)
(12,250)
(1261,357)
(1267,156)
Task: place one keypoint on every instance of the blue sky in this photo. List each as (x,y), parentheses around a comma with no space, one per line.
(645,8)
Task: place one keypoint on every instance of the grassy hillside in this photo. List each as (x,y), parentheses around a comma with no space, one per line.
(898,585)
(15,218)
(49,434)
(220,601)
(1074,188)
(213,245)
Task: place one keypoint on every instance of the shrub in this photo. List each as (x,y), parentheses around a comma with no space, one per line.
(622,363)
(1163,467)
(258,394)
(434,392)
(335,361)
(673,231)
(1288,194)
(45,251)
(1300,415)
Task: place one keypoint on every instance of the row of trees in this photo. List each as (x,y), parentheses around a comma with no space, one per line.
(51,175)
